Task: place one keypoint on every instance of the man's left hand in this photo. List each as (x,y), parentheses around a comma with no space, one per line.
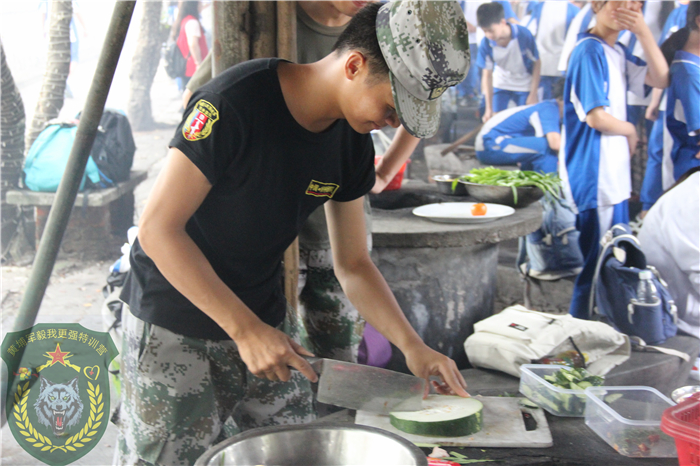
(425,362)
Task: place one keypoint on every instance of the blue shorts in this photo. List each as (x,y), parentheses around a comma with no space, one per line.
(652,187)
(547,85)
(501,98)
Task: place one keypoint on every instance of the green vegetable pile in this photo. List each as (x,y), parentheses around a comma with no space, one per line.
(574,379)
(549,183)
(564,403)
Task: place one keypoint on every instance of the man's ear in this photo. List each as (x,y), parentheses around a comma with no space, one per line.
(355,62)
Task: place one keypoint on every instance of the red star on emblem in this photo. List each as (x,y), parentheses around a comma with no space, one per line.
(58,355)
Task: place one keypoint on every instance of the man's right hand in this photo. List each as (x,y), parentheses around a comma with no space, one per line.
(652,113)
(488,113)
(269,354)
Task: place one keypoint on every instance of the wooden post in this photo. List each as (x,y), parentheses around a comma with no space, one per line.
(287,30)
(252,29)
(264,37)
(287,49)
(232,31)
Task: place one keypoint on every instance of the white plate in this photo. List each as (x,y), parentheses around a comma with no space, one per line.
(461,212)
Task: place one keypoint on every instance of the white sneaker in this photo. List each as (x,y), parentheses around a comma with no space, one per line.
(695,371)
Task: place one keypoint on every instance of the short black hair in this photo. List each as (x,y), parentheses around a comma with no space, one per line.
(558,88)
(361,35)
(693,12)
(489,13)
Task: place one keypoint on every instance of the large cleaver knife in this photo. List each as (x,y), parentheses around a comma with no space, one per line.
(366,388)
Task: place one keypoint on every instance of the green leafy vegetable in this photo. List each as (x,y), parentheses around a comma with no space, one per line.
(561,403)
(549,183)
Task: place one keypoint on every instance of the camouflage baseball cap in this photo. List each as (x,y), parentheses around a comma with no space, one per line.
(426,45)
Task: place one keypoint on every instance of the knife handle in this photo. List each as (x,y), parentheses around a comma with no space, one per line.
(312,359)
(316,363)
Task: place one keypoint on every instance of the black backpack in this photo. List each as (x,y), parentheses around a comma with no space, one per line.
(114,147)
(175,62)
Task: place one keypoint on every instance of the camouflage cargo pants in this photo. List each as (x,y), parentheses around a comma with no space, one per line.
(332,323)
(181,395)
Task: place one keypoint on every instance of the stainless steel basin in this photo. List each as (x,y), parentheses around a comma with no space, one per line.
(315,445)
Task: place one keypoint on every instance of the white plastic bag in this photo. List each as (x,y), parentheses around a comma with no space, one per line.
(517,336)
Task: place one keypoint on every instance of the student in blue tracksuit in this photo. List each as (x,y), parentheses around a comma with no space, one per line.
(652,11)
(509,59)
(582,22)
(598,139)
(549,22)
(656,180)
(676,20)
(683,105)
(527,136)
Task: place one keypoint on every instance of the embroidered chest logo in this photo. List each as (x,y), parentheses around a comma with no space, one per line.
(199,123)
(518,327)
(319,189)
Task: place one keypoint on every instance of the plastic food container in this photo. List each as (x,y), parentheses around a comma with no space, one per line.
(556,400)
(629,420)
(682,422)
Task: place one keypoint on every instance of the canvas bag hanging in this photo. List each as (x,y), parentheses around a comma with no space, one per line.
(518,336)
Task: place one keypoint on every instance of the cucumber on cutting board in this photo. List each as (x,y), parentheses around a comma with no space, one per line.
(441,416)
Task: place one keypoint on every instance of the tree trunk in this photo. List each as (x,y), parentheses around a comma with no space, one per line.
(232,31)
(264,40)
(12,126)
(144,66)
(57,68)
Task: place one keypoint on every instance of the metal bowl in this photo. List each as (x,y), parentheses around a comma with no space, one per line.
(444,183)
(312,445)
(503,194)
(684,393)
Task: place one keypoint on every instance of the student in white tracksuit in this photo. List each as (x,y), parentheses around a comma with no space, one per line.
(549,23)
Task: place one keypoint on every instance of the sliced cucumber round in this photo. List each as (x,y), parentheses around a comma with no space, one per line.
(441,416)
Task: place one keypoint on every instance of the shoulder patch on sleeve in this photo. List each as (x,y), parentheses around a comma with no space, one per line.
(200,122)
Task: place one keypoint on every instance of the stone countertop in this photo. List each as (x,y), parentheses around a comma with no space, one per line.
(574,443)
(394,227)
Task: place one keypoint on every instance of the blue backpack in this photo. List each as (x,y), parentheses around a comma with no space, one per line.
(614,291)
(48,156)
(110,159)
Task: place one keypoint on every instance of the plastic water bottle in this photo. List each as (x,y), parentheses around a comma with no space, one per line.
(646,290)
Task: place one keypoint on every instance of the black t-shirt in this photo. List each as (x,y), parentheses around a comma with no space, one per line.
(268,174)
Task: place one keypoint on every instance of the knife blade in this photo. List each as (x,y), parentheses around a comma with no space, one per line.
(366,388)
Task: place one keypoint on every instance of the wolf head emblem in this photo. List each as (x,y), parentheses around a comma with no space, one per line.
(59,405)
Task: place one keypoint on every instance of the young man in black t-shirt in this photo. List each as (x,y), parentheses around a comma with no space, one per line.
(261,147)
